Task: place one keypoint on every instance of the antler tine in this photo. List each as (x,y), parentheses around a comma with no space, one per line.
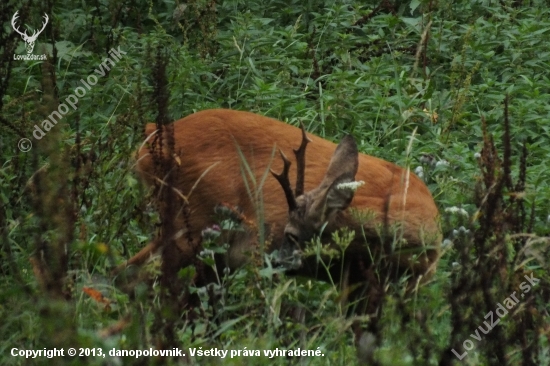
(46,18)
(301,162)
(285,182)
(15,27)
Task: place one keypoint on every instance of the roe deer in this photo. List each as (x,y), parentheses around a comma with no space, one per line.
(211,145)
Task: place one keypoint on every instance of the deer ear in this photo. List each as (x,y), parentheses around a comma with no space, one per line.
(330,197)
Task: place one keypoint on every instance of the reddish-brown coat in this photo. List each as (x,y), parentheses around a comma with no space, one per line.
(209,139)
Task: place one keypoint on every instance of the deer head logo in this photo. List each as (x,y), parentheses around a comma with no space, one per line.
(29,40)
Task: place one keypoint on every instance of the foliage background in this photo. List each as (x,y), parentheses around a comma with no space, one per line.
(411,80)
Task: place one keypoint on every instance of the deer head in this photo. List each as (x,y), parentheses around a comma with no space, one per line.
(29,40)
(309,211)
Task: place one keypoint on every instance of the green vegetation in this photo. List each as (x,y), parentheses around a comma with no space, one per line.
(459,88)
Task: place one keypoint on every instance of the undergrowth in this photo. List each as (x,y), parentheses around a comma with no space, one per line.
(457,91)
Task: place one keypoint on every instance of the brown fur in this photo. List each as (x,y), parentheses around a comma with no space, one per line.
(211,137)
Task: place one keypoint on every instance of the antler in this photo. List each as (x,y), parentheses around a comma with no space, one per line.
(285,182)
(35,33)
(283,179)
(301,162)
(13,20)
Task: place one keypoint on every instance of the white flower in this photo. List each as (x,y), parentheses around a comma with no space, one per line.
(477,155)
(457,210)
(442,162)
(350,185)
(427,159)
(206,253)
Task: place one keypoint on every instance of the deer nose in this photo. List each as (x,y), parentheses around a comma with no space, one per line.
(290,254)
